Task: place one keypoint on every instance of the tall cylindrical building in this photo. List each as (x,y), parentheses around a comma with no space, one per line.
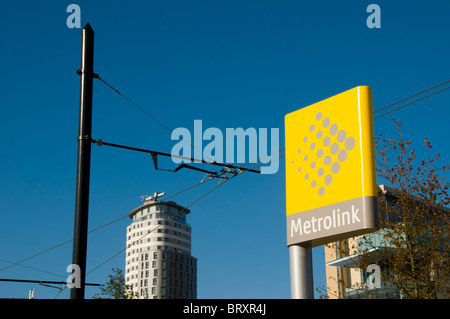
(158,259)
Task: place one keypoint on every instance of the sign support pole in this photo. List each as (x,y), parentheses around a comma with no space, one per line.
(300,260)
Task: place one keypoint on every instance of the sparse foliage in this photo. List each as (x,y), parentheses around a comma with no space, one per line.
(116,288)
(414,252)
(415,227)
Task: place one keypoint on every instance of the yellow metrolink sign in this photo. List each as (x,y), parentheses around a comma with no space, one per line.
(331,191)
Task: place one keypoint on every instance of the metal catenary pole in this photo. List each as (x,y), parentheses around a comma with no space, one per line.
(86,73)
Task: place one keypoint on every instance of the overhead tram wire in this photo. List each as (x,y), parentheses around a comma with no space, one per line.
(241,172)
(122,250)
(44,282)
(211,190)
(35,255)
(158,226)
(120,218)
(166,198)
(198,199)
(382,108)
(104,225)
(33,268)
(397,108)
(101,142)
(98,77)
(204,195)
(212,162)
(95,229)
(406,98)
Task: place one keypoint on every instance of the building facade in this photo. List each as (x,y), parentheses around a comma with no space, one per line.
(346,281)
(158,262)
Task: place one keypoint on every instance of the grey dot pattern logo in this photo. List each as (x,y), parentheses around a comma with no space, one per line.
(324,149)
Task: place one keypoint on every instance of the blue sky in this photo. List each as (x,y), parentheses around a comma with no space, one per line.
(231,64)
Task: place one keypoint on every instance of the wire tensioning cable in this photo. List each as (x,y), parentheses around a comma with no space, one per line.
(143,110)
(131,101)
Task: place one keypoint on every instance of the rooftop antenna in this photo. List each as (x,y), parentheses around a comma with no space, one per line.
(154,197)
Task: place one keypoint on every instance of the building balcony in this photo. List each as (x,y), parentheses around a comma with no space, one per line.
(352,261)
(386,291)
